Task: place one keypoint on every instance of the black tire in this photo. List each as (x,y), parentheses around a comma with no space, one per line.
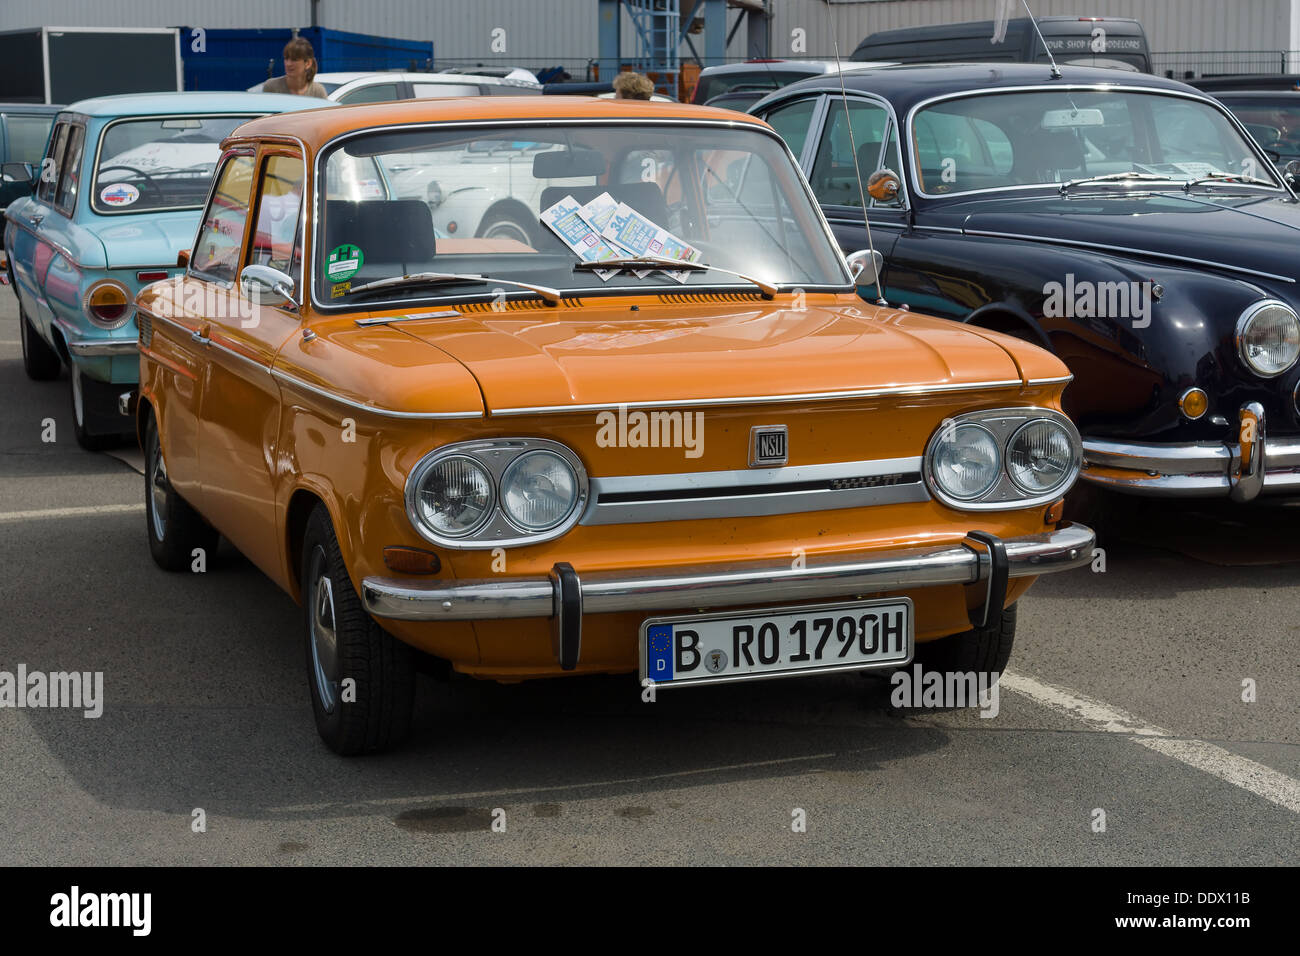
(508,224)
(343,642)
(40,362)
(86,438)
(979,650)
(174,528)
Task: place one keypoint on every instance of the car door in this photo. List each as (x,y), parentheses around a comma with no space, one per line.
(240,409)
(29,249)
(179,341)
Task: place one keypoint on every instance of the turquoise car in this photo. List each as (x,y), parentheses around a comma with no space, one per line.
(113,203)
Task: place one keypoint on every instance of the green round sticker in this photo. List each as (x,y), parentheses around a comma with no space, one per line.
(343,263)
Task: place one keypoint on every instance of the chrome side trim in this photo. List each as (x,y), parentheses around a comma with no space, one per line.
(750,493)
(760,399)
(1059,380)
(362,407)
(753,583)
(1104,247)
(93,348)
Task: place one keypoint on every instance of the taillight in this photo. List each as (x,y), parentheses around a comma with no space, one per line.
(108,304)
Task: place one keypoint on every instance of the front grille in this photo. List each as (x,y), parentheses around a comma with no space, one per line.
(144,322)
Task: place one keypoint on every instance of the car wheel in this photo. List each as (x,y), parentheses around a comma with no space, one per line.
(175,529)
(508,225)
(979,650)
(40,362)
(362,678)
(85,437)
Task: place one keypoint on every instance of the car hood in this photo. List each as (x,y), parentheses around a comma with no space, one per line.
(609,356)
(1240,233)
(151,239)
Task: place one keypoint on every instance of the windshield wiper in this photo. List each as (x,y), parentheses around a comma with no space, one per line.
(551,296)
(1116,177)
(1231,179)
(672,265)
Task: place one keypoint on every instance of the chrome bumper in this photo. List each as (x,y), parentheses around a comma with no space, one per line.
(565,594)
(97,348)
(1242,471)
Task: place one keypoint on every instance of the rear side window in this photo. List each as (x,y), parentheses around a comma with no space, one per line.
(65,196)
(53,161)
(379,93)
(221,237)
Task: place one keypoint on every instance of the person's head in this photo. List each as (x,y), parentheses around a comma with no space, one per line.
(299,61)
(632,86)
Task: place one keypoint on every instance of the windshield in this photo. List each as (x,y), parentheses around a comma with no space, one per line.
(165,163)
(1025,139)
(530,204)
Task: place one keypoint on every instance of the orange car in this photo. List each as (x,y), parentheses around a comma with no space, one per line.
(659,438)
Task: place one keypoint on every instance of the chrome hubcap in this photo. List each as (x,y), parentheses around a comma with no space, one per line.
(324,640)
(157,490)
(506,230)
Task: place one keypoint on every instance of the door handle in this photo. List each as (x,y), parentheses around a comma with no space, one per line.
(198,337)
(36,220)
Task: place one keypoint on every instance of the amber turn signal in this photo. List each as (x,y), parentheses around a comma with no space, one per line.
(1054,511)
(1194,403)
(411,560)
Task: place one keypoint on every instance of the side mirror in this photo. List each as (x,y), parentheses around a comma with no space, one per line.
(865,265)
(19,173)
(883,185)
(257,281)
(183,258)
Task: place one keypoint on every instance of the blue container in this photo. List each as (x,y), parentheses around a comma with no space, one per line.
(237,59)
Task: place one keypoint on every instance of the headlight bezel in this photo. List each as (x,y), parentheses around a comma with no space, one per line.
(494,455)
(1244,322)
(1004,424)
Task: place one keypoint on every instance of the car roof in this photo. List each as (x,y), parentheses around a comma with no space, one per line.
(158,104)
(1254,94)
(908,84)
(316,127)
(30,108)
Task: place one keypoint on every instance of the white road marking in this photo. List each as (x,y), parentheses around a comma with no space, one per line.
(14,342)
(89,512)
(1262,781)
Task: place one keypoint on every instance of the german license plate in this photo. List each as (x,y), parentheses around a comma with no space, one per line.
(776,642)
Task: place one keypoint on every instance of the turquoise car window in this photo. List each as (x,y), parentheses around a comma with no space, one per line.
(221,237)
(278,206)
(158,162)
(65,197)
(49,171)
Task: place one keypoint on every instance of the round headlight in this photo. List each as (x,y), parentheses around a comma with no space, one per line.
(455,496)
(1040,456)
(538,491)
(966,462)
(1268,338)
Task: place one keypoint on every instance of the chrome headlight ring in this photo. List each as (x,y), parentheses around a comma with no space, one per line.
(1005,425)
(495,456)
(1242,337)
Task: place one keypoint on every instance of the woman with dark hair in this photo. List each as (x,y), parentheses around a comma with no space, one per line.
(299,71)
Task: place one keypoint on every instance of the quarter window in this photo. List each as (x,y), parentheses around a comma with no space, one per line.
(221,237)
(791,122)
(70,176)
(861,133)
(275,238)
(49,172)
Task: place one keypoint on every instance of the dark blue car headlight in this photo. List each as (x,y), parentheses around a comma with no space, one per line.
(1268,338)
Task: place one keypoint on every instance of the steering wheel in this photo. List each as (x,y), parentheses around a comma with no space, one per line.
(149,181)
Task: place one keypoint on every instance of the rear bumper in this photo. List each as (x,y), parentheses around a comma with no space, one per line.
(566,594)
(1242,471)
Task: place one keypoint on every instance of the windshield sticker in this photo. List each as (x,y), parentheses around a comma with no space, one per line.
(340,289)
(119,194)
(563,220)
(343,263)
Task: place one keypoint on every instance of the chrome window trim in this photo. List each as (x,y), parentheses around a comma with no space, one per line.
(761,399)
(1004,423)
(371,409)
(743,492)
(914,170)
(488,453)
(99,145)
(762,128)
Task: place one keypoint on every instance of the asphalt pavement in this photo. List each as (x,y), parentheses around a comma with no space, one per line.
(1121,737)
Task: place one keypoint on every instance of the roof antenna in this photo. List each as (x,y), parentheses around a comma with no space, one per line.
(1000,30)
(877,261)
